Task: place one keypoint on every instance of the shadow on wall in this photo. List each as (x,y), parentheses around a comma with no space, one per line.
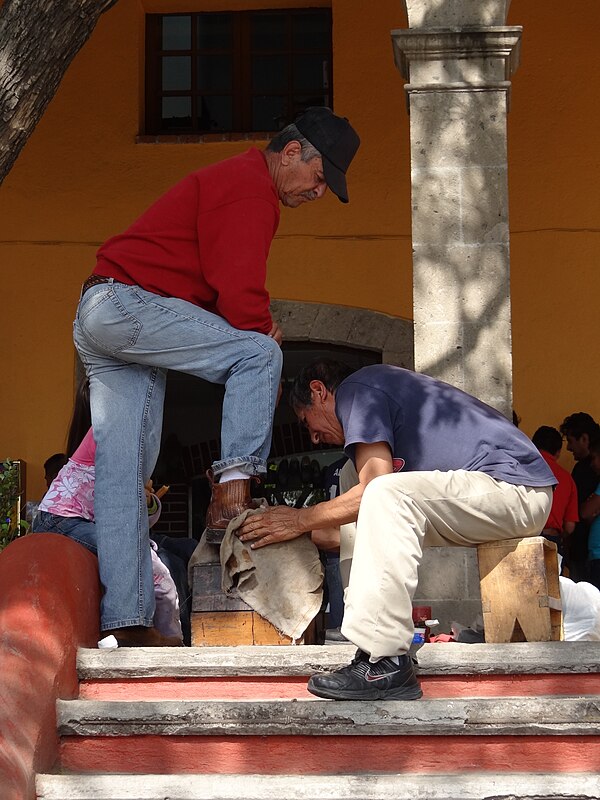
(464,234)
(49,605)
(459,196)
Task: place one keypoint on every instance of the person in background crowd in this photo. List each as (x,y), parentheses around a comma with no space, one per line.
(590,511)
(564,514)
(579,430)
(68,508)
(52,466)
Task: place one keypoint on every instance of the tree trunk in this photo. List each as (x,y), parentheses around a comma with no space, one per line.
(38,41)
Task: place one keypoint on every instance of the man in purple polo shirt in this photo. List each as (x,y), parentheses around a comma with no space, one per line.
(436,467)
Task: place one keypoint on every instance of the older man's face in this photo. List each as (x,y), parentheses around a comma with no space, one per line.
(321,420)
(301,181)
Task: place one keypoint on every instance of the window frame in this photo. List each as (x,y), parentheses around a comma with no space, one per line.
(241,52)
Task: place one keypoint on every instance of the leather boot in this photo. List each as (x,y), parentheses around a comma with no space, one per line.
(228,500)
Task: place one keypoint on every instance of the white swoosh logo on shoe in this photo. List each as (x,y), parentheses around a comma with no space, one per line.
(370,678)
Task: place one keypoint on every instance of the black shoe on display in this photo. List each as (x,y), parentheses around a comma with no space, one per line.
(317,474)
(306,471)
(361,680)
(282,475)
(294,482)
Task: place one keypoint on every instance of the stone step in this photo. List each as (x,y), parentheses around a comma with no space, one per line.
(445,670)
(475,786)
(316,736)
(473,716)
(434,659)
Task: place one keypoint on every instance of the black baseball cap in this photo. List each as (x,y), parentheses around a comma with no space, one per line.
(335,139)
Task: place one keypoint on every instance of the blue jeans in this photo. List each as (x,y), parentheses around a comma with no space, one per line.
(80,530)
(127,338)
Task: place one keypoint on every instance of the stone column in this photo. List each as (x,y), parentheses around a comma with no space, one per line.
(458,57)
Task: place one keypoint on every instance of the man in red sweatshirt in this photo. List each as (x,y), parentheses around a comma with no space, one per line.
(183,288)
(564,513)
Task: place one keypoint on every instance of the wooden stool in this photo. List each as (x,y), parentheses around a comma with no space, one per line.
(222,620)
(520,590)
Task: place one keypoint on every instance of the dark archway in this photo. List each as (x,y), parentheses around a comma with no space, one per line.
(193,407)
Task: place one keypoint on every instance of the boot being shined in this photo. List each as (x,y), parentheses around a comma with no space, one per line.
(228,500)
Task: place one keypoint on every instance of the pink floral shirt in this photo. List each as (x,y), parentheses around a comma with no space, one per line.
(71,493)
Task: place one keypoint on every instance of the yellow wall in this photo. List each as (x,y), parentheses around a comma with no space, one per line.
(82,178)
(554,173)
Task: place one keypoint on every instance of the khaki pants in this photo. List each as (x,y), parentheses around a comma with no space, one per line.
(402,513)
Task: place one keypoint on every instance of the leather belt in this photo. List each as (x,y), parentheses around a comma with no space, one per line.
(93,280)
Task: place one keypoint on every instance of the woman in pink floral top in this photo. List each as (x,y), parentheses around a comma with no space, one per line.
(68,508)
(71,493)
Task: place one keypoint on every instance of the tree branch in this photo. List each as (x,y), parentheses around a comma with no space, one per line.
(38,41)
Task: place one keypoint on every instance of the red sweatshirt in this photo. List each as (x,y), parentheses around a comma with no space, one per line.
(206,241)
(564,498)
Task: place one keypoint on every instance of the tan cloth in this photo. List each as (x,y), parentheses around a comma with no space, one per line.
(282,582)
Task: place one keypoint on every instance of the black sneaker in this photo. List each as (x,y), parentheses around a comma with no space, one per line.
(361,680)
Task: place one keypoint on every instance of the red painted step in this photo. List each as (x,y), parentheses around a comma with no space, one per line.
(281,673)
(318,755)
(515,734)
(289,688)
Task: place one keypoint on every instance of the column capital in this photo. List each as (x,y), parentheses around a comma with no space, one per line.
(440,55)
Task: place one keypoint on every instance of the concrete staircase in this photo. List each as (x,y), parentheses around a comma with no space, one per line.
(496,721)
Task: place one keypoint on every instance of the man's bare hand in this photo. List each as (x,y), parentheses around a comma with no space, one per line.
(148,490)
(326,538)
(277,524)
(276,333)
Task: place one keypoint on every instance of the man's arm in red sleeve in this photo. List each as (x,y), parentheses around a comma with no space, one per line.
(234,242)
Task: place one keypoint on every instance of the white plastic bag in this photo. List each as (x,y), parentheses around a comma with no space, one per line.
(581,610)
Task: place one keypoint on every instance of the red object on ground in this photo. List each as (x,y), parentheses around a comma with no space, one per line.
(421,613)
(442,637)
(49,605)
